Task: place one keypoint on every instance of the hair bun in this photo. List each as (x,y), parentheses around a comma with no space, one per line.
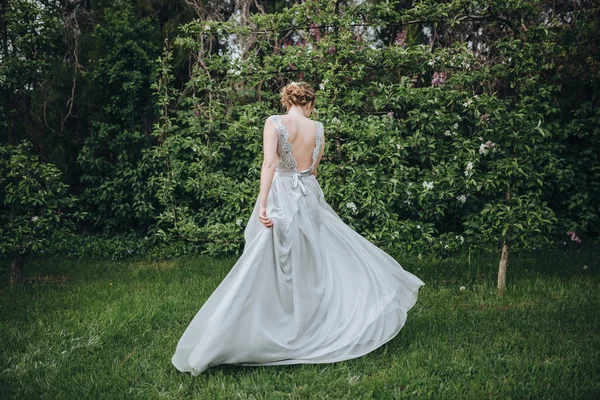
(297,93)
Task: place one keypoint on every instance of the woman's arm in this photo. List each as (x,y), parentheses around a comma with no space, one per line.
(270,139)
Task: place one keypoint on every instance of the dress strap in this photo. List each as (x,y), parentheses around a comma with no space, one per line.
(318,142)
(276,119)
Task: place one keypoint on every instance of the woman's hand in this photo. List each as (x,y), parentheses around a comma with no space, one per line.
(262,216)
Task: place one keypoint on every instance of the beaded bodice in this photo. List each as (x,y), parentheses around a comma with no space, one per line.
(284,148)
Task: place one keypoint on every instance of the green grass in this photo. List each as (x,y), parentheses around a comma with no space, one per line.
(107,330)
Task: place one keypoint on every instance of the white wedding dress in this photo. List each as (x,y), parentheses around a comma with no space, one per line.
(308,289)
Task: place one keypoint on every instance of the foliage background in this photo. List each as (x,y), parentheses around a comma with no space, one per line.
(448,124)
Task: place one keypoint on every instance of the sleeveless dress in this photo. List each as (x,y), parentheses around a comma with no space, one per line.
(308,289)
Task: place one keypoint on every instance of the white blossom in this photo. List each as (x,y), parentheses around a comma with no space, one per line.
(428,185)
(462,288)
(448,133)
(34,218)
(239,222)
(351,206)
(335,120)
(398,146)
(427,32)
(469,169)
(418,226)
(484,147)
(322,84)
(462,198)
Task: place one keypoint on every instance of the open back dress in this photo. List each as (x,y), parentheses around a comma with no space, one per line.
(308,289)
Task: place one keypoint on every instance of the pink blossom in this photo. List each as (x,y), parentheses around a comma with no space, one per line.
(400,38)
(574,237)
(315,31)
(439,78)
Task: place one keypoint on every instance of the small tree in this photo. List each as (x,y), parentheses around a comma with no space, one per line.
(32,198)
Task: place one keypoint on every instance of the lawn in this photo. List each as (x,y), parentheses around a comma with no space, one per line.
(107,330)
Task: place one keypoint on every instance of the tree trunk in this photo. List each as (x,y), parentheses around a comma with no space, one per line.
(16,269)
(504,255)
(502,268)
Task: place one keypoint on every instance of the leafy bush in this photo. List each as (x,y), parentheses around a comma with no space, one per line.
(33,203)
(429,148)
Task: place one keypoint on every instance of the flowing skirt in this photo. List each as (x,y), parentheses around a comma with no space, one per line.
(308,289)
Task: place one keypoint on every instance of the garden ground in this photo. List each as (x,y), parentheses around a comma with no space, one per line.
(107,330)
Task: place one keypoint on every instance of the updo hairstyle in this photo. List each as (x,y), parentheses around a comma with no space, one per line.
(297,93)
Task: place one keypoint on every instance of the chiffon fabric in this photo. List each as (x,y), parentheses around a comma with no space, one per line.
(308,289)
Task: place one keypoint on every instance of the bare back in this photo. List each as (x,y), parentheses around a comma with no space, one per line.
(302,133)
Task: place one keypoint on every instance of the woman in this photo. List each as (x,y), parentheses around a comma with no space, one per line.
(307,288)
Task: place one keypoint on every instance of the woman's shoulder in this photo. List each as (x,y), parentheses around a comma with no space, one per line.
(277,119)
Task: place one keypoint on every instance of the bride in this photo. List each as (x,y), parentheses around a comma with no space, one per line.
(307,287)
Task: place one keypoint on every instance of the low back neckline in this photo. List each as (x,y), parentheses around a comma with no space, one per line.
(286,138)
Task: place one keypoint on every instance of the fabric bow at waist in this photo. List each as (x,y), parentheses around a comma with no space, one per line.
(296,178)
